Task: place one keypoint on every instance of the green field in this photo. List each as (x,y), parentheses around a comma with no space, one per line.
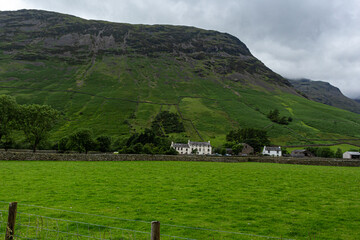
(289,201)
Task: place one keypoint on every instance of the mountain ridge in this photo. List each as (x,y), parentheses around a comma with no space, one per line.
(78,40)
(324,92)
(115,78)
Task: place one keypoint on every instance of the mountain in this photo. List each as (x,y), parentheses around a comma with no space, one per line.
(115,78)
(324,92)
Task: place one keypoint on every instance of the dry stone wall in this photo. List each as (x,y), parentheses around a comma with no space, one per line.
(27,156)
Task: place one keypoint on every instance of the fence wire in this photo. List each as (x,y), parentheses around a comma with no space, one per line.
(37,226)
(32,226)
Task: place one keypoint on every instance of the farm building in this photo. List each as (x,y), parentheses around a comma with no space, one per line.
(201,148)
(351,155)
(272,151)
(247,150)
(301,153)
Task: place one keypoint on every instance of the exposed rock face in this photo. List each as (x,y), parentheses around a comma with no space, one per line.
(324,92)
(34,34)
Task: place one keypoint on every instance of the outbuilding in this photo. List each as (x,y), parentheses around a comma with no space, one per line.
(351,155)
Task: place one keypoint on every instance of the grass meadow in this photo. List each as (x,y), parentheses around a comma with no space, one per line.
(284,201)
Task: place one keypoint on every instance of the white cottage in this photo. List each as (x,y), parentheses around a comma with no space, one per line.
(201,148)
(272,151)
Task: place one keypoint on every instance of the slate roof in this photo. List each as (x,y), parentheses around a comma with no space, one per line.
(272,148)
(299,151)
(180,145)
(200,144)
(353,153)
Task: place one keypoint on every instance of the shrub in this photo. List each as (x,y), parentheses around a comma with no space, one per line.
(63,145)
(167,122)
(339,153)
(237,148)
(256,138)
(103,143)
(82,141)
(274,116)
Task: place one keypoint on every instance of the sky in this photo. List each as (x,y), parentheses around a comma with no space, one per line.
(314,39)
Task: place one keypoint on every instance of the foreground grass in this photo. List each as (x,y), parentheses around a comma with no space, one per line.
(264,199)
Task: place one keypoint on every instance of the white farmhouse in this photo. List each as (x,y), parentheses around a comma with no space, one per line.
(351,155)
(181,148)
(201,148)
(272,151)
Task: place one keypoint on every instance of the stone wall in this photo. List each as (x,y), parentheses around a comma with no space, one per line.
(27,156)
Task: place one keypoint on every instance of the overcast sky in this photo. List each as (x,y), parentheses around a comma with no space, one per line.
(315,39)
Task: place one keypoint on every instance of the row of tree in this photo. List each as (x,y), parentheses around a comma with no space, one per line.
(83,141)
(256,138)
(35,121)
(147,142)
(325,152)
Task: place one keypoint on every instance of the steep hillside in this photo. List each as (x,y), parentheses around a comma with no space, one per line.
(114,78)
(324,92)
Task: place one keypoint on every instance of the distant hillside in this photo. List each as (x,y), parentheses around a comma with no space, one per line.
(115,78)
(324,92)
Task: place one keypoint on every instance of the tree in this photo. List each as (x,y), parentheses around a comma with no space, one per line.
(8,142)
(8,115)
(325,153)
(339,153)
(82,141)
(256,138)
(237,148)
(274,116)
(284,151)
(138,148)
(63,145)
(167,122)
(223,151)
(36,121)
(171,151)
(104,143)
(148,148)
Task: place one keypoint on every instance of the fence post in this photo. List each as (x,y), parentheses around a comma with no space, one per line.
(10,228)
(155,230)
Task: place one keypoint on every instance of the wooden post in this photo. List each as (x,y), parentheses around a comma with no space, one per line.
(10,228)
(155,230)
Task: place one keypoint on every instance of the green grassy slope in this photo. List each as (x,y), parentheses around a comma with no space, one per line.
(115,100)
(159,68)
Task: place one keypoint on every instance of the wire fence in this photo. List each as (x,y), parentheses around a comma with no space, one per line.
(38,226)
